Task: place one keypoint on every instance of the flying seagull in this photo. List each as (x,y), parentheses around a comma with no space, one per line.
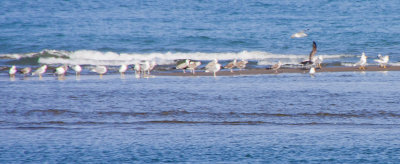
(299,34)
(312,53)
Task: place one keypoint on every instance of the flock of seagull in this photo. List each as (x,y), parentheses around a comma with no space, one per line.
(140,69)
(144,68)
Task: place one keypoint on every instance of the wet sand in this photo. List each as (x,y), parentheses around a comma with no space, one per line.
(226,72)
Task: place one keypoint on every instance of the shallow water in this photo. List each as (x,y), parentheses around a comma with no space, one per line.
(332,117)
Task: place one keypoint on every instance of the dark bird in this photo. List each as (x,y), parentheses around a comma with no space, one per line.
(312,53)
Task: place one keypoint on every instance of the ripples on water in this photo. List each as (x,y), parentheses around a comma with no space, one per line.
(288,117)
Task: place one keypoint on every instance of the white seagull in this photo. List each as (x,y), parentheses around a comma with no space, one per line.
(41,70)
(276,66)
(382,60)
(231,65)
(137,69)
(152,66)
(312,71)
(145,67)
(100,70)
(12,71)
(183,65)
(193,65)
(123,69)
(60,71)
(362,62)
(317,60)
(299,34)
(213,66)
(77,69)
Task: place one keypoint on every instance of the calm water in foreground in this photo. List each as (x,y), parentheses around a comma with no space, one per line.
(332,117)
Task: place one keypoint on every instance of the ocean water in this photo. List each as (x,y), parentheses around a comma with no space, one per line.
(343,117)
(95,32)
(346,117)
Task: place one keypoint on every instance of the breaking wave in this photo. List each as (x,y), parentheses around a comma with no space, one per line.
(91,57)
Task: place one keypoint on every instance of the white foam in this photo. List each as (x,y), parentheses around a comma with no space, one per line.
(17,56)
(90,57)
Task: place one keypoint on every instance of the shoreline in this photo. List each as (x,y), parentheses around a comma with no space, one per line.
(261,71)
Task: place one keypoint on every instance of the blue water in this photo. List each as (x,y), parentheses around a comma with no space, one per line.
(136,27)
(333,117)
(345,117)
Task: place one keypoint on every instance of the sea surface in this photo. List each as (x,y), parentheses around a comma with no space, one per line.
(342,117)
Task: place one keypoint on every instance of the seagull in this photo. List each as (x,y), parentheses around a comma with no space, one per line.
(26,71)
(77,69)
(100,70)
(276,66)
(242,64)
(213,66)
(317,60)
(123,69)
(12,71)
(312,71)
(382,60)
(137,69)
(60,71)
(231,65)
(312,53)
(41,70)
(299,34)
(362,62)
(152,66)
(193,65)
(145,67)
(184,65)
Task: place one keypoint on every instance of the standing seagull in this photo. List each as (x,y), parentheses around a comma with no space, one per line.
(213,66)
(382,60)
(193,65)
(145,67)
(77,69)
(41,70)
(184,65)
(60,71)
(100,70)
(123,69)
(312,53)
(26,71)
(12,71)
(242,64)
(317,60)
(152,66)
(137,69)
(276,66)
(231,65)
(299,34)
(362,62)
(312,71)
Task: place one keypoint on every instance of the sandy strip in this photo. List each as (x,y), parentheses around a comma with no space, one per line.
(226,72)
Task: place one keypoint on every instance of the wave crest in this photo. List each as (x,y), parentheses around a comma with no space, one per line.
(92,57)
